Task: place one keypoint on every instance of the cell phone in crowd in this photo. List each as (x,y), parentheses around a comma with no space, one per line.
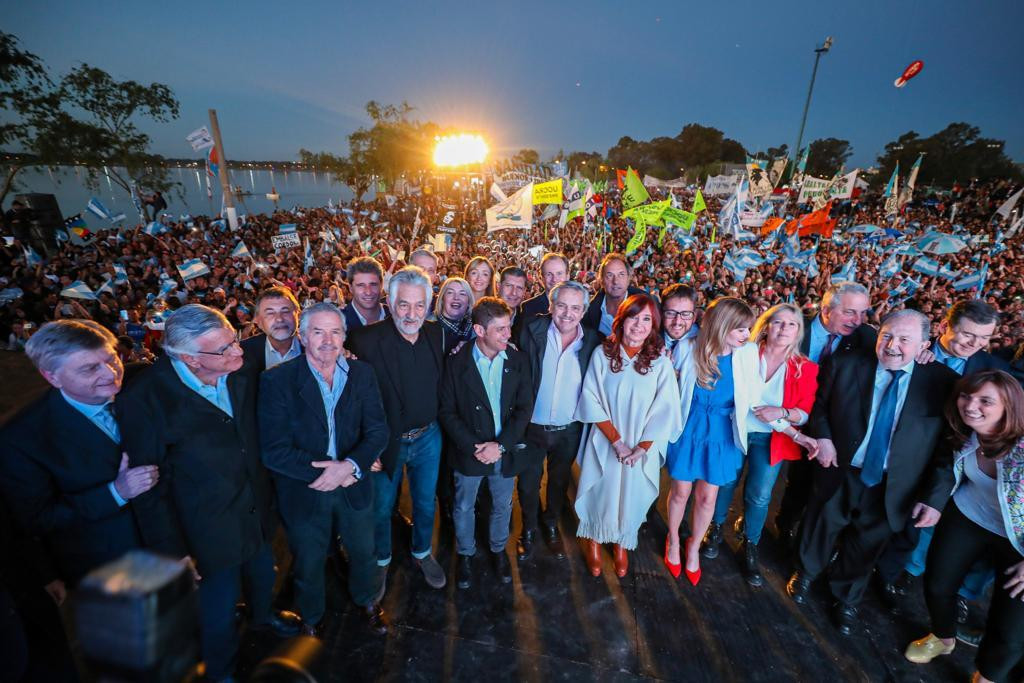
(124,315)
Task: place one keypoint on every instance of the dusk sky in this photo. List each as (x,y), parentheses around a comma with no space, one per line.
(289,75)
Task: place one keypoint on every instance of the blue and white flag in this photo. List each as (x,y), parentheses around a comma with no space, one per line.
(890,267)
(97,209)
(154,228)
(166,287)
(308,256)
(120,274)
(904,291)
(220,224)
(118,217)
(107,286)
(241,251)
(287,228)
(737,270)
(847,273)
(31,257)
(192,268)
(78,290)
(975,280)
(926,265)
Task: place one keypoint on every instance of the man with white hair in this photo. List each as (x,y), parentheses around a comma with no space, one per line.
(407,354)
(878,422)
(193,415)
(322,427)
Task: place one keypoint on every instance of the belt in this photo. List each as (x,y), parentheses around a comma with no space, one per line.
(416,433)
(552,428)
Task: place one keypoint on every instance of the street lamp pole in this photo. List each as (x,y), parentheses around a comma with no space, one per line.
(818,52)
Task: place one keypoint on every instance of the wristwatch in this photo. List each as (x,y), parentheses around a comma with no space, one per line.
(501,449)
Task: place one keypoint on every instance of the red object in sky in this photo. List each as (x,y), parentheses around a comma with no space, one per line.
(908,73)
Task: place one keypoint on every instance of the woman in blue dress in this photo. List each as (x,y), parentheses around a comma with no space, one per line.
(710,450)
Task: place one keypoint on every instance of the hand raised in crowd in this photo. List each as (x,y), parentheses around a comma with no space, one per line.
(826,453)
(57,590)
(133,481)
(488,453)
(1015,586)
(926,516)
(335,473)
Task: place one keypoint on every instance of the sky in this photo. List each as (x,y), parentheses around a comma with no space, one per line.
(549,75)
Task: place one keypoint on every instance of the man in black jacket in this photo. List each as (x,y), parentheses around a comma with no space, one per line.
(193,414)
(485,405)
(62,466)
(277,314)
(554,268)
(322,427)
(559,350)
(407,356)
(878,421)
(614,274)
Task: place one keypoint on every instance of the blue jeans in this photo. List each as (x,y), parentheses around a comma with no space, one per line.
(422,458)
(976,580)
(757,492)
(466,489)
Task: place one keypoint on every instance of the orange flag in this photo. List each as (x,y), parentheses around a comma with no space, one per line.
(620,177)
(771,225)
(817,222)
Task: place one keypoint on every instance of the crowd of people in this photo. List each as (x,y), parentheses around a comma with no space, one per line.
(298,388)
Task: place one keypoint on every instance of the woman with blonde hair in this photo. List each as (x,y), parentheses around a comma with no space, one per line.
(782,392)
(453,306)
(479,274)
(710,450)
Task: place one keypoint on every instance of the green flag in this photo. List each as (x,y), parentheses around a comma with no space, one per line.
(684,219)
(698,202)
(634,193)
(661,235)
(639,235)
(650,213)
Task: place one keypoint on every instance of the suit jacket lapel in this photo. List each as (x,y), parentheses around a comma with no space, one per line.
(74,429)
(473,380)
(866,388)
(309,391)
(915,395)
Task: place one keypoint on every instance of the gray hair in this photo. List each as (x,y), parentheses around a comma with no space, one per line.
(423,252)
(50,346)
(410,275)
(451,282)
(187,324)
(835,292)
(574,286)
(319,307)
(924,321)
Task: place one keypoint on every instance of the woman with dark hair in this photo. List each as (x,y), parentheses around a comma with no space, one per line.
(630,395)
(480,276)
(984,519)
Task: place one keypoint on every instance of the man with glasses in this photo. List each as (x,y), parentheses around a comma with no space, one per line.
(678,314)
(193,415)
(559,350)
(277,314)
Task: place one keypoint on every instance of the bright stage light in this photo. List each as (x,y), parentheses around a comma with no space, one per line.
(460,150)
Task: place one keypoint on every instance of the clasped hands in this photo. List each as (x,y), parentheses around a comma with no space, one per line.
(626,455)
(488,452)
(335,473)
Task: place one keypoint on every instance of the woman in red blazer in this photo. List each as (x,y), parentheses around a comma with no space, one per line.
(783,393)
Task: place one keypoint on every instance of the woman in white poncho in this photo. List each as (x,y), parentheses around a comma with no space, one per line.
(631,396)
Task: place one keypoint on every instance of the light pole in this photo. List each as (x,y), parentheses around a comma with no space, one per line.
(818,52)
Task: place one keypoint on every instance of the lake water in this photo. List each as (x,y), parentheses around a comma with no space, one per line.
(297,188)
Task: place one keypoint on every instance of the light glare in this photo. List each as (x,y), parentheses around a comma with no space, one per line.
(460,150)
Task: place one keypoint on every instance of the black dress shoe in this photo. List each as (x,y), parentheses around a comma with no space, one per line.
(501,567)
(846,618)
(798,587)
(376,621)
(751,565)
(554,541)
(464,571)
(284,624)
(891,597)
(524,546)
(313,630)
(712,540)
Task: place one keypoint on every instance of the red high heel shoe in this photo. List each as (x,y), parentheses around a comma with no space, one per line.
(693,577)
(673,569)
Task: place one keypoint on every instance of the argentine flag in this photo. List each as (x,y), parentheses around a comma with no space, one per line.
(78,290)
(975,280)
(890,267)
(737,270)
(120,274)
(32,258)
(219,224)
(97,209)
(107,286)
(192,268)
(927,266)
(241,251)
(287,228)
(309,262)
(154,228)
(847,273)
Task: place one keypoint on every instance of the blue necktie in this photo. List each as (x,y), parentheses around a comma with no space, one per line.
(881,433)
(109,425)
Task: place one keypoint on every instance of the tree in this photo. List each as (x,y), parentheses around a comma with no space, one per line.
(826,156)
(627,152)
(957,152)
(526,157)
(585,163)
(777,152)
(108,135)
(700,145)
(733,152)
(394,145)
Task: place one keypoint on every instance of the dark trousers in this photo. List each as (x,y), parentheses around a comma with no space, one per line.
(559,449)
(218,593)
(311,538)
(854,519)
(957,545)
(898,552)
(799,480)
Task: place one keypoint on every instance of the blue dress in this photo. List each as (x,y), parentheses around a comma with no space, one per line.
(707,450)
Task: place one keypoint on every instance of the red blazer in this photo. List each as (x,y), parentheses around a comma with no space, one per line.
(797,392)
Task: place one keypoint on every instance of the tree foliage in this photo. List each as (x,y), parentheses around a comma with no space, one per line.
(526,157)
(957,152)
(697,150)
(826,156)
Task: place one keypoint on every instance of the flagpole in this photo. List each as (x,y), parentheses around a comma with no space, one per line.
(818,52)
(222,172)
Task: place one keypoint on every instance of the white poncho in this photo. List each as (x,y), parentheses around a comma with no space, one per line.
(612,499)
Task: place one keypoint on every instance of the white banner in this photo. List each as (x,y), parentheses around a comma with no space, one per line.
(751,219)
(515,213)
(200,139)
(651,181)
(721,185)
(286,241)
(812,188)
(844,188)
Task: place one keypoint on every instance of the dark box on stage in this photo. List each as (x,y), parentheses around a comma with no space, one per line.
(136,618)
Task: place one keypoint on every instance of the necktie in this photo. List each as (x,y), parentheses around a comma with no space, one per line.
(109,424)
(881,432)
(826,350)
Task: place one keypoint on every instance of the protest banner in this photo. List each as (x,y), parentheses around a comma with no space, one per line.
(720,185)
(548,193)
(285,241)
(514,213)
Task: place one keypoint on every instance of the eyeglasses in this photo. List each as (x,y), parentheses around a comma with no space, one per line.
(669,314)
(224,349)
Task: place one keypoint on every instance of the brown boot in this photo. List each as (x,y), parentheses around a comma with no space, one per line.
(592,554)
(621,560)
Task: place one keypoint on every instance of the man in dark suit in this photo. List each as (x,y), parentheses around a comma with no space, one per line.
(554,268)
(878,422)
(486,402)
(193,414)
(559,350)
(614,274)
(407,356)
(837,329)
(62,466)
(322,427)
(511,288)
(365,279)
(277,314)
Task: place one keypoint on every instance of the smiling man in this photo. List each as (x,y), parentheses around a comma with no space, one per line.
(964,335)
(277,314)
(365,281)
